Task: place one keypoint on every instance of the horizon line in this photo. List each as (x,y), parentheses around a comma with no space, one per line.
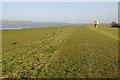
(57,22)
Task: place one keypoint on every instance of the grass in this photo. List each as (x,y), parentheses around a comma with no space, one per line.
(112,32)
(61,52)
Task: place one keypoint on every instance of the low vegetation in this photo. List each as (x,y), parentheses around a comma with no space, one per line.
(61,52)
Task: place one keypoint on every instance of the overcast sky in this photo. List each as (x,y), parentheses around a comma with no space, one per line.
(70,12)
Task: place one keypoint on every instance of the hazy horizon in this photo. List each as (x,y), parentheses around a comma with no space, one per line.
(65,12)
(48,22)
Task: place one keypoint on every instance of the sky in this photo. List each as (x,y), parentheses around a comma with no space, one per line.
(68,12)
(60,0)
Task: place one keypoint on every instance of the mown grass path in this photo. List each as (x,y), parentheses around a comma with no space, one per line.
(68,52)
(87,54)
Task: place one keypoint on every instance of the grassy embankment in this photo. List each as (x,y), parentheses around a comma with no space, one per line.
(66,52)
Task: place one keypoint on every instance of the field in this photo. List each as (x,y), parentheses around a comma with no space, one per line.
(61,52)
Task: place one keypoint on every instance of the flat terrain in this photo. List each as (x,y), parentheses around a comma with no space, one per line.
(61,52)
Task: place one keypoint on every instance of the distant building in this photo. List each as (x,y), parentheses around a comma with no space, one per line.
(114,24)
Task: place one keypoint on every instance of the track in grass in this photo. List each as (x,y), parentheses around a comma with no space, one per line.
(60,52)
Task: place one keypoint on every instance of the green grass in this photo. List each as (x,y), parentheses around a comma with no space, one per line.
(112,32)
(61,52)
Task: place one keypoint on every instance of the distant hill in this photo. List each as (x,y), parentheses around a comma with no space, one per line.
(30,24)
